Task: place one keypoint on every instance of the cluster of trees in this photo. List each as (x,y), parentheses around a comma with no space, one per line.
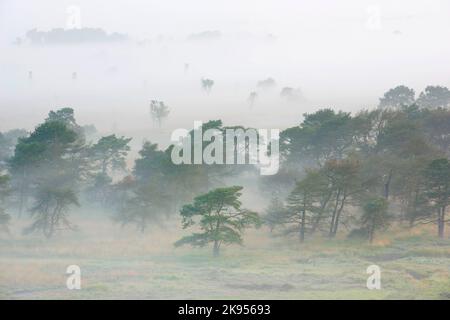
(289,94)
(357,171)
(360,172)
(53,164)
(56,168)
(432,97)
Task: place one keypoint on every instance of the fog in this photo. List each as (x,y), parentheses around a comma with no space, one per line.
(120,208)
(339,55)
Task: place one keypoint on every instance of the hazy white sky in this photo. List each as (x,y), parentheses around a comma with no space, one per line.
(342,54)
(153,17)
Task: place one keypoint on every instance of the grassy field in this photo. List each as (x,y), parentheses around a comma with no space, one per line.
(118,263)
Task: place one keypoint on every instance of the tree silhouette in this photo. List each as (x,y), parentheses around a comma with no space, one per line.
(375,216)
(207,85)
(252,98)
(159,110)
(434,97)
(50,210)
(221,219)
(397,97)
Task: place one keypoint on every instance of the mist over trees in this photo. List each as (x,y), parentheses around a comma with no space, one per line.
(266,84)
(341,174)
(291,94)
(285,150)
(365,171)
(397,97)
(432,97)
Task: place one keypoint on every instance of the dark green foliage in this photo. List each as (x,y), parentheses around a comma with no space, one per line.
(321,136)
(375,216)
(220,218)
(434,97)
(110,153)
(397,97)
(305,207)
(49,164)
(8,141)
(64,115)
(337,171)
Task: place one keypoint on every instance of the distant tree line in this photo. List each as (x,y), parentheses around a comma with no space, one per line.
(73,36)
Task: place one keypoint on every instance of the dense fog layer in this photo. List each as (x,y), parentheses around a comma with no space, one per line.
(342,56)
(91,92)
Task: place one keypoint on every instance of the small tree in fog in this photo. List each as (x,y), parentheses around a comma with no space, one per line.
(50,210)
(142,206)
(274,213)
(207,85)
(291,94)
(266,84)
(303,204)
(221,219)
(159,111)
(375,216)
(252,98)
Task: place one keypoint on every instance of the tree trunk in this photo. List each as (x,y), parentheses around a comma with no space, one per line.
(371,232)
(104,166)
(320,215)
(216,248)
(302,226)
(333,217)
(441,222)
(387,185)
(338,215)
(23,193)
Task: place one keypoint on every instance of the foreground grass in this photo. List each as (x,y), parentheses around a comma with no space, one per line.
(125,265)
